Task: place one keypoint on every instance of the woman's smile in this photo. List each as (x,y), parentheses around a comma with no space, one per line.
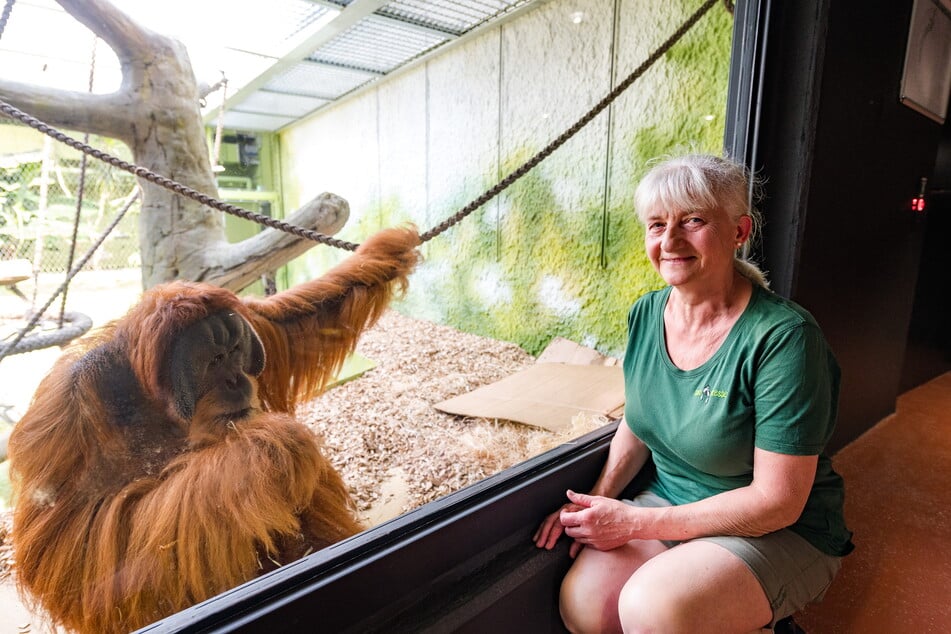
(677,259)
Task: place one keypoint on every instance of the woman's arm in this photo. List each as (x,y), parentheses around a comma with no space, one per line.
(772,501)
(625,458)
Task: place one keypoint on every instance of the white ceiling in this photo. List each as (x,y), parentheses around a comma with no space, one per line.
(282,59)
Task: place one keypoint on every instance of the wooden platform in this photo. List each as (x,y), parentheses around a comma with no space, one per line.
(898,503)
(13,272)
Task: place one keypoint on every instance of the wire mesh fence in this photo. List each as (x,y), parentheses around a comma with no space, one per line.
(47,194)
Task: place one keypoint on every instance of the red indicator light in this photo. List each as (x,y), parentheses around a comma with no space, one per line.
(918,202)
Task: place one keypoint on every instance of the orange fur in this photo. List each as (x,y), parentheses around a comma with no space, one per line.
(126,513)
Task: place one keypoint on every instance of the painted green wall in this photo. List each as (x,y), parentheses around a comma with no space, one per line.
(559,253)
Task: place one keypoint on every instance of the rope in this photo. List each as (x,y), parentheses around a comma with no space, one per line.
(7,8)
(570,132)
(80,191)
(220,124)
(167,183)
(13,347)
(79,324)
(488,195)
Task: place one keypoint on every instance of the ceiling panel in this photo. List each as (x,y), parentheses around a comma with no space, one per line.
(237,120)
(282,59)
(265,101)
(378,44)
(448,15)
(314,79)
(366,41)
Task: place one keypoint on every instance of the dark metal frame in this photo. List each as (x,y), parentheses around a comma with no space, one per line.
(745,88)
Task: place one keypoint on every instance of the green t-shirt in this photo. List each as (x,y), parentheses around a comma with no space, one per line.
(772,384)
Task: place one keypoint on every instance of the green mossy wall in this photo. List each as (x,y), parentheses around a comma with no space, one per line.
(560,252)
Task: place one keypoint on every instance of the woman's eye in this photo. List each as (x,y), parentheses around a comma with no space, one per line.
(217,359)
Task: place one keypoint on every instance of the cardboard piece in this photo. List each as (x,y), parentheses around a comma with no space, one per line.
(546,395)
(561,350)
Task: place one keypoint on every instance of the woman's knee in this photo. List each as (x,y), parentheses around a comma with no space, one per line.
(582,603)
(645,606)
(589,593)
(693,587)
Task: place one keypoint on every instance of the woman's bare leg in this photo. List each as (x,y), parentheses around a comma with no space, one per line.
(695,587)
(590,590)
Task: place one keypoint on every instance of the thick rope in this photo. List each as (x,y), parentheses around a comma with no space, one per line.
(71,326)
(79,323)
(183,190)
(7,8)
(234,210)
(570,132)
(81,190)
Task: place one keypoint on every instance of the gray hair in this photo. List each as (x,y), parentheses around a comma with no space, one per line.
(704,181)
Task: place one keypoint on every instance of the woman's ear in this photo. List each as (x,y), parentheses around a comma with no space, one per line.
(744,227)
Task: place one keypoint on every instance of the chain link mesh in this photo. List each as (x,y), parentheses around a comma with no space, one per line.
(40,187)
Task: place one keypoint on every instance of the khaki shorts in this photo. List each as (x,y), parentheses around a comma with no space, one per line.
(792,572)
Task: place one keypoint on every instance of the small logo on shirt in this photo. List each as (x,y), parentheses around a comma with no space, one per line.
(706,393)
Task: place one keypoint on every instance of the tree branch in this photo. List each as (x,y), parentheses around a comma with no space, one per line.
(123,35)
(238,265)
(97,114)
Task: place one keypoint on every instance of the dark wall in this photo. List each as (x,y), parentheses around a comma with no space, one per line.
(929,335)
(844,158)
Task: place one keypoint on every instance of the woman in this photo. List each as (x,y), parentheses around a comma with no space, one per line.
(732,391)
